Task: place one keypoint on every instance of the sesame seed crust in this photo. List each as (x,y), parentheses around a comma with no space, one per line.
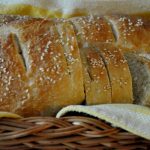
(38,73)
(133,32)
(92,29)
(46,64)
(119,74)
(96,81)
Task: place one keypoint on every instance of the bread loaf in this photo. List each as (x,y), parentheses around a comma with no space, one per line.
(46,64)
(41,70)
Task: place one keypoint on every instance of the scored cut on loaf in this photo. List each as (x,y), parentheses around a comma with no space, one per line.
(92,29)
(118,71)
(131,32)
(12,75)
(40,72)
(96,81)
(140,71)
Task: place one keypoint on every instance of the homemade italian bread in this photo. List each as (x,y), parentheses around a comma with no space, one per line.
(46,64)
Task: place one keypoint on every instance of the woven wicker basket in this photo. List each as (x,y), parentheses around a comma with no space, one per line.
(73,132)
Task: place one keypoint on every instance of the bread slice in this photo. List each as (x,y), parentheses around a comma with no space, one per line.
(96,81)
(45,74)
(119,74)
(131,32)
(140,71)
(92,29)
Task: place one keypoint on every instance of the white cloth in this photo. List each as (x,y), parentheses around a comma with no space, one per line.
(130,117)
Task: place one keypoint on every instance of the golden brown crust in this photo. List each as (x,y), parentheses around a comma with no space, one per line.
(41,68)
(53,76)
(119,74)
(89,31)
(92,29)
(96,81)
(132,32)
(12,76)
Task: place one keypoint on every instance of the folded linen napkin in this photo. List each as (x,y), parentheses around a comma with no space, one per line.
(130,117)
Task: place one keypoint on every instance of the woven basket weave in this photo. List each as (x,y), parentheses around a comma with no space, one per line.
(73,132)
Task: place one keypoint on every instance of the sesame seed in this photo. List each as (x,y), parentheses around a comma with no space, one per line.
(28,95)
(130,23)
(78,33)
(42,57)
(132,30)
(59,54)
(57,41)
(27,90)
(125,83)
(107,41)
(19,75)
(113,78)
(51,53)
(4,94)
(4,70)
(24,97)
(30,66)
(41,69)
(139,23)
(71,48)
(47,46)
(54,82)
(97,81)
(72,38)
(7,89)
(116,65)
(60,79)
(55,58)
(22,102)
(52,70)
(122,19)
